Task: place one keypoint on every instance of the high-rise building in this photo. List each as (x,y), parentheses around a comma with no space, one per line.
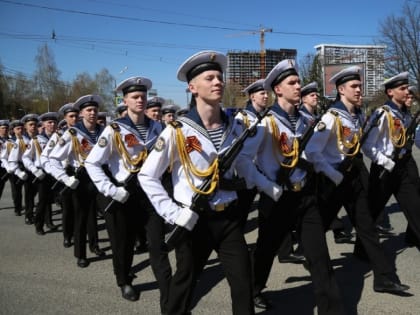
(335,57)
(245,67)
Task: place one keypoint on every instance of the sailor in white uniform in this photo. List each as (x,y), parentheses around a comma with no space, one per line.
(113,165)
(190,147)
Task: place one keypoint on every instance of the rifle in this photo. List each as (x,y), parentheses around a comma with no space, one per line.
(76,175)
(129,178)
(409,133)
(225,162)
(284,173)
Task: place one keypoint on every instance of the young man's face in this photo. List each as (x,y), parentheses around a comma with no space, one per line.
(136,101)
(289,89)
(260,98)
(351,91)
(208,86)
(3,131)
(154,113)
(49,126)
(90,114)
(399,94)
(31,127)
(71,118)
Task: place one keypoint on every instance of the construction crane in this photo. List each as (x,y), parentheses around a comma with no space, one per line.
(262,32)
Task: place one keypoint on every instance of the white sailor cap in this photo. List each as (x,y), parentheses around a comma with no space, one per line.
(16,123)
(49,116)
(396,81)
(309,88)
(200,62)
(67,108)
(121,108)
(280,72)
(29,117)
(345,75)
(170,108)
(134,84)
(155,101)
(88,100)
(254,87)
(4,122)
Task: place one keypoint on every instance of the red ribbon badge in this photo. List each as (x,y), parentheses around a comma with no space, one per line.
(397,123)
(86,147)
(131,140)
(192,143)
(346,131)
(284,146)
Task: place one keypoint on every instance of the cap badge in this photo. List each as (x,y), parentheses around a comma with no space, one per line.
(212,57)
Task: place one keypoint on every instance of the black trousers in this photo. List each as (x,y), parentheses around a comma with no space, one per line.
(67,218)
(123,222)
(16,186)
(403,183)
(352,193)
(85,221)
(222,232)
(3,179)
(275,222)
(30,189)
(45,198)
(245,200)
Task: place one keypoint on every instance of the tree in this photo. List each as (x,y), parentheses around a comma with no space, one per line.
(401,35)
(46,76)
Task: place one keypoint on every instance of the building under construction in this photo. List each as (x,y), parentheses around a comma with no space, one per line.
(335,57)
(245,67)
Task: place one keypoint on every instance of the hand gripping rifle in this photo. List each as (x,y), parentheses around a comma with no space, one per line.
(284,173)
(225,162)
(409,133)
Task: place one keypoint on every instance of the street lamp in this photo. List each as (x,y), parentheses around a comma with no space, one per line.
(115,85)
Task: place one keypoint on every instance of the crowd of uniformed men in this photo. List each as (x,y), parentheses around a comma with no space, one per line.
(155,168)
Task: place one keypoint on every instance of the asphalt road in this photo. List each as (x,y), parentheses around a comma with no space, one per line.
(39,276)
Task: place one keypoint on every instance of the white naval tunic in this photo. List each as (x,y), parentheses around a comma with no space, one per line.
(165,152)
(105,152)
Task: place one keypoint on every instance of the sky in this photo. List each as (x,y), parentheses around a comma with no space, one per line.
(153,38)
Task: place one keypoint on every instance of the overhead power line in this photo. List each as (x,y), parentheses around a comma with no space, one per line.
(214,27)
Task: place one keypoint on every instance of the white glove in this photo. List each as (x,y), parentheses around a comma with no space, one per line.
(9,170)
(39,174)
(121,195)
(187,219)
(71,182)
(336,177)
(389,164)
(22,175)
(273,190)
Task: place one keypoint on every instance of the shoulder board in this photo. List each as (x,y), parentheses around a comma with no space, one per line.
(72,131)
(334,112)
(115,126)
(242,111)
(176,124)
(386,108)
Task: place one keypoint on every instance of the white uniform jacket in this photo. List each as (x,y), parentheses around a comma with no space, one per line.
(66,150)
(45,159)
(106,152)
(6,145)
(275,136)
(16,153)
(31,157)
(325,150)
(202,153)
(378,146)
